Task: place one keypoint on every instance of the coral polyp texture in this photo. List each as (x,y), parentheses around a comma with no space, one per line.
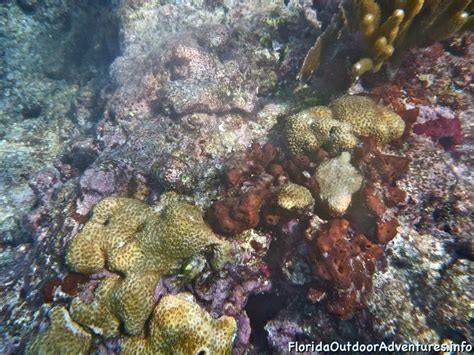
(367,118)
(293,196)
(336,128)
(115,222)
(63,336)
(388,28)
(130,238)
(178,325)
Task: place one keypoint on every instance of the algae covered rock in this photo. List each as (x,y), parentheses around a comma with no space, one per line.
(142,244)
(63,336)
(179,326)
(336,128)
(293,196)
(338,180)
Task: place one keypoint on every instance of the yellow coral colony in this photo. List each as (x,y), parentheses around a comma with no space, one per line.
(140,244)
(336,127)
(409,23)
(388,28)
(63,336)
(293,196)
(367,118)
(179,326)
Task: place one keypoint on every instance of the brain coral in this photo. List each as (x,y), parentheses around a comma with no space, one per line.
(338,180)
(179,326)
(141,244)
(115,221)
(62,337)
(336,127)
(294,196)
(367,118)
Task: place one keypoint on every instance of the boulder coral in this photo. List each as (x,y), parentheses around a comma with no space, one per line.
(293,196)
(179,326)
(337,127)
(63,336)
(142,245)
(367,118)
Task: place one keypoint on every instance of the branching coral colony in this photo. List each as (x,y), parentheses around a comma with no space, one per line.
(387,29)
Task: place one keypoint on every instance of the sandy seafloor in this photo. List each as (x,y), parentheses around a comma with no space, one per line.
(138,99)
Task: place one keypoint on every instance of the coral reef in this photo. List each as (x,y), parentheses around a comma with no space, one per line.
(336,127)
(128,237)
(388,29)
(63,336)
(338,180)
(197,88)
(50,85)
(179,325)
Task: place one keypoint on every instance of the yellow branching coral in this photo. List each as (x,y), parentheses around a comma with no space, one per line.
(63,336)
(141,244)
(294,196)
(336,127)
(179,326)
(387,28)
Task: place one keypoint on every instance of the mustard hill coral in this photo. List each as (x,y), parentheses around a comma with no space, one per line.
(99,315)
(115,221)
(141,244)
(179,326)
(387,28)
(294,196)
(338,180)
(336,127)
(63,336)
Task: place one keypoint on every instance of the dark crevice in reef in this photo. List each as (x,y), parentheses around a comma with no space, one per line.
(262,308)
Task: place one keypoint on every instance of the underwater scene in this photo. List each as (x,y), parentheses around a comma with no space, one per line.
(236,176)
